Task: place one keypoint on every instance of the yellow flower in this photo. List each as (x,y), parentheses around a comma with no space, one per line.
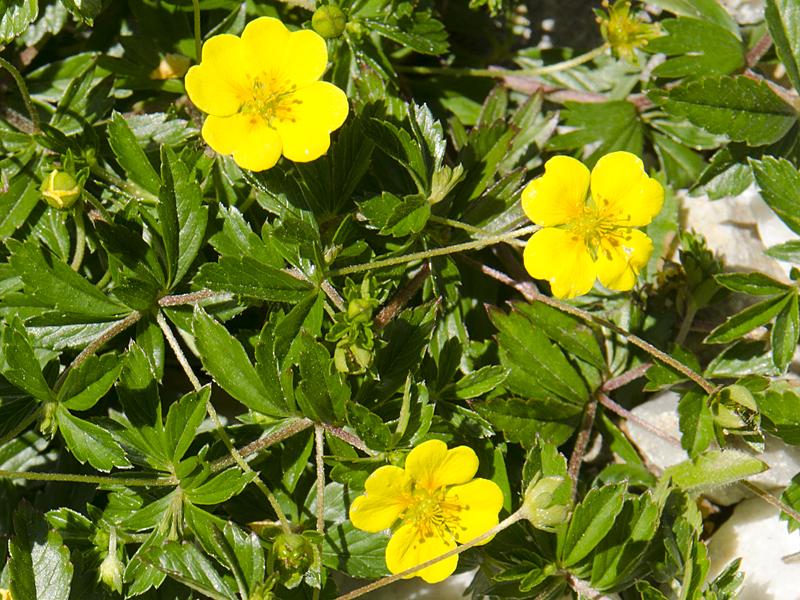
(263,97)
(587,238)
(439,505)
(625,32)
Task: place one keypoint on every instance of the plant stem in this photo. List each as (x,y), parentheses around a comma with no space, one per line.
(220,429)
(80,240)
(333,295)
(23,90)
(348,437)
(770,499)
(97,343)
(88,479)
(131,189)
(500,73)
(581,443)
(292,427)
(458,225)
(401,298)
(195,297)
(534,296)
(505,523)
(198,44)
(319,439)
(415,256)
(626,377)
(628,415)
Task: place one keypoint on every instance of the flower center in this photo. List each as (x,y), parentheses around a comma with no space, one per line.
(431,513)
(271,98)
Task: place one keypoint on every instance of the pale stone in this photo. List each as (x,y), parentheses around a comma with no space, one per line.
(755,534)
(662,412)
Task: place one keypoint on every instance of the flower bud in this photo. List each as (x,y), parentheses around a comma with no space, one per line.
(111,572)
(293,551)
(329,21)
(623,31)
(540,507)
(60,190)
(172,66)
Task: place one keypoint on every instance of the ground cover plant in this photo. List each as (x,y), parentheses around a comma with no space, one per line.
(298,299)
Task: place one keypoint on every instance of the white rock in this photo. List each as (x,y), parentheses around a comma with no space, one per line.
(745,11)
(452,588)
(662,412)
(755,534)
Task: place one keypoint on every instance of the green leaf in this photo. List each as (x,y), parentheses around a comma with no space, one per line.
(15,16)
(521,421)
(780,409)
(53,283)
(779,183)
(355,552)
(418,31)
(186,564)
(85,10)
(90,381)
(743,109)
(707,10)
(182,216)
(785,332)
(479,382)
(591,520)
(753,283)
(531,373)
(696,423)
(130,155)
(788,251)
(745,321)
(227,362)
(322,393)
(39,567)
(369,426)
(791,497)
(84,102)
(16,204)
(89,442)
(247,277)
(783,21)
(19,363)
(397,216)
(221,487)
(611,125)
(183,419)
(698,48)
(713,469)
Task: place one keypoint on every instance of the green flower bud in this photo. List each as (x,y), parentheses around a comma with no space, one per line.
(110,572)
(329,21)
(293,551)
(60,190)
(540,506)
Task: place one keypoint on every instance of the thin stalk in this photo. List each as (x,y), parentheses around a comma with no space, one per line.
(415,256)
(195,298)
(220,429)
(401,298)
(458,225)
(23,91)
(319,440)
(581,443)
(198,44)
(770,499)
(628,376)
(89,479)
(348,437)
(333,295)
(501,73)
(292,427)
(80,240)
(97,343)
(505,523)
(628,415)
(131,189)
(534,296)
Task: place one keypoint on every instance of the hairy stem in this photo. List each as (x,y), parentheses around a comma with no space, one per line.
(290,428)
(415,256)
(348,437)
(319,439)
(80,240)
(23,91)
(401,298)
(89,479)
(219,428)
(581,443)
(198,44)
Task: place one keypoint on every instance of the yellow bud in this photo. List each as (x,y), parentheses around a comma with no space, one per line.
(172,66)
(6,595)
(329,21)
(60,190)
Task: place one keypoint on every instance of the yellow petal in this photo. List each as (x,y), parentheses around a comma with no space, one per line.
(225,134)
(219,84)
(384,501)
(260,149)
(561,258)
(621,257)
(431,465)
(624,192)
(480,501)
(306,57)
(265,41)
(316,111)
(408,548)
(559,195)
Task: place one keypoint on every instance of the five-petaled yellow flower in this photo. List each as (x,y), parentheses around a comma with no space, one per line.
(584,237)
(439,505)
(263,95)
